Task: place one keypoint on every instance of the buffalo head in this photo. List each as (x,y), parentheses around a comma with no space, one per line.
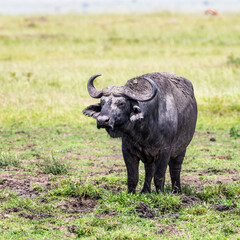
(119,106)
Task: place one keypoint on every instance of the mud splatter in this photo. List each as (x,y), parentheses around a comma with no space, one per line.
(189,200)
(169,229)
(223,207)
(38,216)
(144,210)
(78,205)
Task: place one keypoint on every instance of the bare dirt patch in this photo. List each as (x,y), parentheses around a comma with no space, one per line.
(169,229)
(111,188)
(29,215)
(77,205)
(38,216)
(12,209)
(223,207)
(144,210)
(100,164)
(223,176)
(171,215)
(108,169)
(20,132)
(28,146)
(218,171)
(103,158)
(193,180)
(23,184)
(105,213)
(224,157)
(189,200)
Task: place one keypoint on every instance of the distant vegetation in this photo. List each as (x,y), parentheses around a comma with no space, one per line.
(46,62)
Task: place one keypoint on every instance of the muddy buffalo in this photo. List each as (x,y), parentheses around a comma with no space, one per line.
(155,115)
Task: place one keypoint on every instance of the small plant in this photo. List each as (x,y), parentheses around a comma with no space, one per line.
(150,204)
(228,229)
(219,191)
(84,231)
(6,193)
(198,209)
(53,166)
(7,159)
(38,187)
(235,132)
(233,60)
(73,189)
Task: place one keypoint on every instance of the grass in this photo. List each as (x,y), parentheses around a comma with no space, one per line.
(9,159)
(235,131)
(54,56)
(60,177)
(233,60)
(53,166)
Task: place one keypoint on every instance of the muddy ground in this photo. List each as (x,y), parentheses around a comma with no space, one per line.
(26,185)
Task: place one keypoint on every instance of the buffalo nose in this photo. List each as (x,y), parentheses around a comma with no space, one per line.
(102,121)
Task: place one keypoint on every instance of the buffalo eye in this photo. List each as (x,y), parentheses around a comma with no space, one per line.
(120,104)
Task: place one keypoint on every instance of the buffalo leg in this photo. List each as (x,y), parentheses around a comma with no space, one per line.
(175,165)
(132,164)
(149,172)
(160,171)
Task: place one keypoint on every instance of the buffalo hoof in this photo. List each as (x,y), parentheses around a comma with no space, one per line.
(144,190)
(176,190)
(132,191)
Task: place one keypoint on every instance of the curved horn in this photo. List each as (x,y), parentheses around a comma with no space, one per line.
(93,92)
(142,97)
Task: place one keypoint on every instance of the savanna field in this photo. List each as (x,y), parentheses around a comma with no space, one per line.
(62,178)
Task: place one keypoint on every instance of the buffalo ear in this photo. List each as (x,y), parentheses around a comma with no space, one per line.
(136,114)
(92,110)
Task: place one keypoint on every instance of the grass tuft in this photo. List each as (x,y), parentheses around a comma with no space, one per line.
(9,159)
(233,60)
(84,231)
(124,202)
(53,166)
(219,191)
(73,189)
(235,131)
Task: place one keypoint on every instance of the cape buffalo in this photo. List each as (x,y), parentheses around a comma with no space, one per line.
(155,115)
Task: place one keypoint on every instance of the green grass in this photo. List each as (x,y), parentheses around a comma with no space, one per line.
(60,177)
(235,131)
(53,57)
(52,165)
(9,159)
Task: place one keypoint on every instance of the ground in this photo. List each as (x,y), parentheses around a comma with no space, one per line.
(61,177)
(90,200)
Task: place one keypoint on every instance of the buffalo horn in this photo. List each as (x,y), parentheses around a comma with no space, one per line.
(142,97)
(93,92)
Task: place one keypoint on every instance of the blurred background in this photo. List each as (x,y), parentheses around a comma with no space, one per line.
(119,6)
(49,49)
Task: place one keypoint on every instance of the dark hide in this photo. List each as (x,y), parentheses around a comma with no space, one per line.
(156,131)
